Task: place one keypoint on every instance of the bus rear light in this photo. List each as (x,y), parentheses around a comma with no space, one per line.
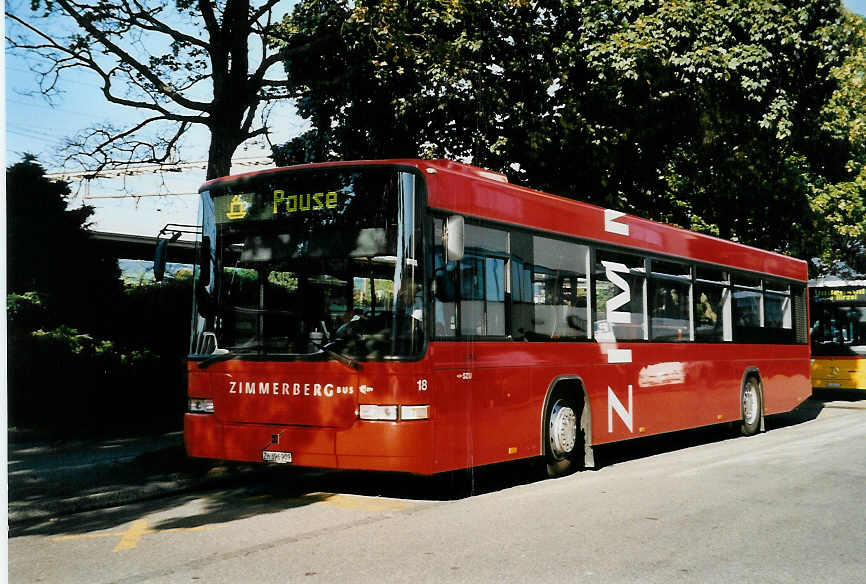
(199,405)
(369,412)
(414,412)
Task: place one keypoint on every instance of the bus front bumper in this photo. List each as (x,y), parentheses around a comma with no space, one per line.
(404,446)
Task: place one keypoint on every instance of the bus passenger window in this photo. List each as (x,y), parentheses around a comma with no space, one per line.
(709,313)
(777,311)
(669,311)
(712,305)
(748,309)
(549,291)
(482,282)
(619,290)
(445,286)
(670,285)
(469,295)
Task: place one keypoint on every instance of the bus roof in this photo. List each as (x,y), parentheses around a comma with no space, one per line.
(470,190)
(835,282)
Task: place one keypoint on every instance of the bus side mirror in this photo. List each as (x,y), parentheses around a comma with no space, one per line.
(159,260)
(453,238)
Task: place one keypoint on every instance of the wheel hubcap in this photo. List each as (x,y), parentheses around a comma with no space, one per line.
(563,430)
(750,403)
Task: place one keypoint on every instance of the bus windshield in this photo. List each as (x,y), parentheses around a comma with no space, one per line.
(310,263)
(839,330)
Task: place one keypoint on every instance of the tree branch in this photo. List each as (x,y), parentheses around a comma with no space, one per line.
(157,25)
(265,9)
(124,56)
(111,141)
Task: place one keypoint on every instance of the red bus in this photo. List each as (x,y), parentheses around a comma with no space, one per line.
(425,316)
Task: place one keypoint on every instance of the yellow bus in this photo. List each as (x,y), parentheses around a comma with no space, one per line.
(838,326)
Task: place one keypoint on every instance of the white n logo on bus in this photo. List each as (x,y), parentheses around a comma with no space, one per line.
(613,404)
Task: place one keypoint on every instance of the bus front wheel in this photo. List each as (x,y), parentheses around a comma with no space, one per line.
(563,438)
(750,406)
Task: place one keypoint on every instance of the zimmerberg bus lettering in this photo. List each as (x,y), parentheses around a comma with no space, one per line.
(612,271)
(284,388)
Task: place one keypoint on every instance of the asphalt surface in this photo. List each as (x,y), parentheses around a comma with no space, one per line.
(52,478)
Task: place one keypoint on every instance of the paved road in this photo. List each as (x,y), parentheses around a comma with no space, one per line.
(783,506)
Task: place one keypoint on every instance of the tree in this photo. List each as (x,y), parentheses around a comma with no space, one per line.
(710,115)
(840,206)
(752,152)
(402,79)
(49,250)
(159,57)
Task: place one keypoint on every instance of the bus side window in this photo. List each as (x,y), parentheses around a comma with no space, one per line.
(712,305)
(748,310)
(482,279)
(668,301)
(469,295)
(548,289)
(445,287)
(619,286)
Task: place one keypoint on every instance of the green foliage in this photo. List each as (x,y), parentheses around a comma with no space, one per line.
(25,311)
(83,351)
(744,120)
(49,250)
(839,204)
(61,378)
(131,379)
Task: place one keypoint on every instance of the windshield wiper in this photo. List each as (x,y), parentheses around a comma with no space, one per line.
(342,358)
(228,355)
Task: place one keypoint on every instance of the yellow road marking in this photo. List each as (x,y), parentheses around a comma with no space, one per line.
(129,539)
(360,502)
(132,536)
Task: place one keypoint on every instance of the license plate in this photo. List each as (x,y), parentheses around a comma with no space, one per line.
(833,384)
(278,457)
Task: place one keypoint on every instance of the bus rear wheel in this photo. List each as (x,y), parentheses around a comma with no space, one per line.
(750,406)
(563,438)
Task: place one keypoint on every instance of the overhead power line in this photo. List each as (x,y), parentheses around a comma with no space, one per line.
(142,169)
(137,196)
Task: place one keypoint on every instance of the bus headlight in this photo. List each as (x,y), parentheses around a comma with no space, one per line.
(368,412)
(199,405)
(414,412)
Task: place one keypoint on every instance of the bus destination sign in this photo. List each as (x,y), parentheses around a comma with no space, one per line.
(261,206)
(834,295)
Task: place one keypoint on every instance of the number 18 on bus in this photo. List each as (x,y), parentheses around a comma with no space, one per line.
(425,316)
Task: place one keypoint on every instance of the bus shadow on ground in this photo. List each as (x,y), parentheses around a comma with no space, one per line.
(286,483)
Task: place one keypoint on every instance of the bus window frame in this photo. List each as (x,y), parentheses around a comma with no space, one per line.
(730,275)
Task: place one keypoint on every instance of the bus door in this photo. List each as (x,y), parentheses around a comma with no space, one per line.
(482,387)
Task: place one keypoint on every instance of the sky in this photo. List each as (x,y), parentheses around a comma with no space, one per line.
(36,127)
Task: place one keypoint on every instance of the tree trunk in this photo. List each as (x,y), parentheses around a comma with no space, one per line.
(231,94)
(219,158)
